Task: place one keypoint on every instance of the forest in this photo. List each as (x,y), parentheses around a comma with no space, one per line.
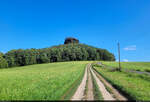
(71,50)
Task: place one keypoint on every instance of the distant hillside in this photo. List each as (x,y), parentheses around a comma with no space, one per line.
(60,53)
(73,52)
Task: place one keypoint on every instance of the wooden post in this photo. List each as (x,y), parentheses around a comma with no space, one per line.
(119,56)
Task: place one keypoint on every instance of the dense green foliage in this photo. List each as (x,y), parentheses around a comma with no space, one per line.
(3,62)
(39,82)
(133,84)
(67,52)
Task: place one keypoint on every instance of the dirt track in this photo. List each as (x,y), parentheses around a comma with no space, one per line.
(115,92)
(79,94)
(90,95)
(105,94)
(82,94)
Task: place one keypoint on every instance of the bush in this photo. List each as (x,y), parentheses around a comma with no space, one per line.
(147,70)
(3,62)
(66,52)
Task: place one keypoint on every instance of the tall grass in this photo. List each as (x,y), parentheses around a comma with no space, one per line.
(138,66)
(135,87)
(39,82)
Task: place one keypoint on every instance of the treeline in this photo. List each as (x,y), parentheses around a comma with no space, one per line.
(67,52)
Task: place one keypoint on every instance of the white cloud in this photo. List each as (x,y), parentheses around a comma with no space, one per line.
(130,48)
(125,60)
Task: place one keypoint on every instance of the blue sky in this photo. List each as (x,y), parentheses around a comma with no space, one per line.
(100,23)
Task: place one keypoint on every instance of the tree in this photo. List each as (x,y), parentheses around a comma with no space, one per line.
(3,62)
(55,55)
(108,56)
(71,51)
(11,58)
(92,53)
(11,61)
(44,58)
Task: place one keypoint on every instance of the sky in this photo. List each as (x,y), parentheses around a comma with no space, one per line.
(99,23)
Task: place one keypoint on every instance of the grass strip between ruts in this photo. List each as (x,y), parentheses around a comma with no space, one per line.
(86,86)
(96,91)
(116,86)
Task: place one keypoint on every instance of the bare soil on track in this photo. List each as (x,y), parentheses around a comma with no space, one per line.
(90,95)
(87,82)
(79,94)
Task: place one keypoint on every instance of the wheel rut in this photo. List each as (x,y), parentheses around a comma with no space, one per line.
(85,89)
(90,95)
(115,92)
(79,94)
(105,94)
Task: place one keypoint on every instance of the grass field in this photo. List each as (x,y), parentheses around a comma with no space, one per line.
(96,92)
(136,87)
(39,82)
(139,66)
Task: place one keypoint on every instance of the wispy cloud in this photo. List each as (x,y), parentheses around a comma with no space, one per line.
(125,60)
(130,48)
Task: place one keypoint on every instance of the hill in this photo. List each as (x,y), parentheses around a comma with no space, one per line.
(68,52)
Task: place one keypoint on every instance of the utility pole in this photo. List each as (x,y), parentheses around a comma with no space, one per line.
(119,56)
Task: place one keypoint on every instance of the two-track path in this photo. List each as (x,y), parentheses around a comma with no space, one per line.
(79,94)
(85,89)
(90,95)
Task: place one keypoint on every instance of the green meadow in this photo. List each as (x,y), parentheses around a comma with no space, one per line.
(135,86)
(39,82)
(138,66)
(54,81)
